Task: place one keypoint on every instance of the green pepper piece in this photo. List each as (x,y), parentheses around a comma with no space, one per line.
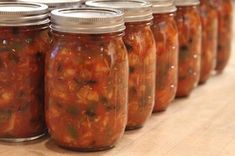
(80,82)
(29,40)
(91,110)
(72,131)
(183,52)
(59,68)
(131,69)
(73,111)
(132,92)
(162,70)
(220,47)
(13,58)
(128,47)
(190,40)
(24,107)
(39,56)
(15,31)
(5,115)
(91,82)
(3,49)
(145,99)
(108,107)
(17,46)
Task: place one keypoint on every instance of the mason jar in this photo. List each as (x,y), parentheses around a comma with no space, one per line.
(167,43)
(209,19)
(190,38)
(87,79)
(140,44)
(225,15)
(24,41)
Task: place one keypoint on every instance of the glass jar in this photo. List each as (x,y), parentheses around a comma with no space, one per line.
(209,19)
(224,10)
(86,79)
(56,4)
(190,36)
(167,43)
(23,44)
(140,44)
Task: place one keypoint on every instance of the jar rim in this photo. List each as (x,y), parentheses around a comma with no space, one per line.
(163,6)
(134,10)
(186,2)
(23,14)
(52,4)
(87,20)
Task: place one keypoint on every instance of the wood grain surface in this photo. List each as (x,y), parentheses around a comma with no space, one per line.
(201,125)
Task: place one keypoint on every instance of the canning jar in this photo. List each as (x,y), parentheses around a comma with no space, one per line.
(209,19)
(140,44)
(56,4)
(224,10)
(87,79)
(167,43)
(190,36)
(23,42)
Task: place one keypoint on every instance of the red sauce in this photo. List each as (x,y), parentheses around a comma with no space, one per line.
(22,51)
(139,41)
(86,90)
(166,37)
(190,34)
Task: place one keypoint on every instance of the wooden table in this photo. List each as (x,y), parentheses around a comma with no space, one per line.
(202,125)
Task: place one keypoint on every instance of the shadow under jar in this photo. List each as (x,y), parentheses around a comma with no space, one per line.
(23,42)
(86,79)
(190,36)
(167,43)
(209,19)
(140,44)
(225,11)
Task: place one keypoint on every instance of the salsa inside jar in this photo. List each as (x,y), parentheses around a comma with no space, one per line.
(22,59)
(87,82)
(224,10)
(140,44)
(209,19)
(167,44)
(141,48)
(190,35)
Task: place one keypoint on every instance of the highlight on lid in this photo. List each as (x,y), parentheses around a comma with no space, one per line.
(56,4)
(134,10)
(163,6)
(87,20)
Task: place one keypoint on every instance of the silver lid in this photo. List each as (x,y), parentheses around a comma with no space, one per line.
(56,4)
(87,20)
(23,14)
(186,2)
(163,6)
(134,10)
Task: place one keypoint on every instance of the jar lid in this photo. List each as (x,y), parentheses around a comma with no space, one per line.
(163,6)
(53,4)
(23,14)
(134,10)
(186,2)
(87,20)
